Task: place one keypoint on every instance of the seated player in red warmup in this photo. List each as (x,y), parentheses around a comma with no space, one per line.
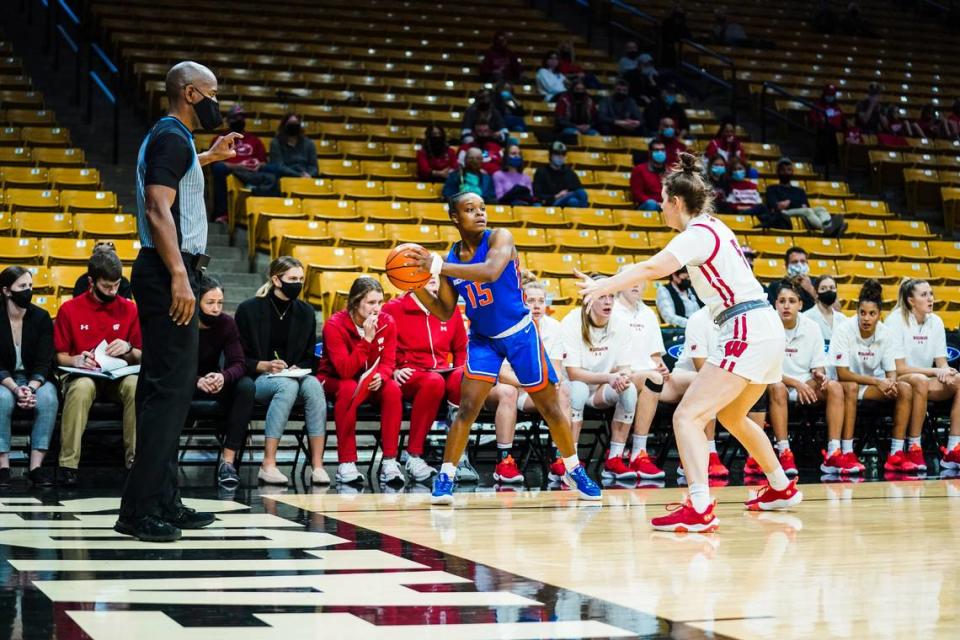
(355,340)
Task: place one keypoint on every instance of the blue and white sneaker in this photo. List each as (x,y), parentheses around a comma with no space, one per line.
(442,490)
(579,480)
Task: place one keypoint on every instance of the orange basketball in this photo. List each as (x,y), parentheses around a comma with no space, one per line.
(400,274)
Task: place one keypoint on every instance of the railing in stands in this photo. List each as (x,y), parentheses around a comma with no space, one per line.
(727,62)
(766,111)
(97,57)
(68,31)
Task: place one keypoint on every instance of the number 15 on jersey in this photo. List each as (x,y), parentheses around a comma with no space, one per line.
(480,295)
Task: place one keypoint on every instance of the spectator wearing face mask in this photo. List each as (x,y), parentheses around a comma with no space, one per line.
(483,110)
(646,179)
(666,106)
(571,69)
(557,184)
(726,144)
(576,113)
(630,60)
(676,300)
(674,146)
(792,201)
(510,107)
(828,119)
(619,114)
(246,165)
(550,82)
(511,184)
(436,159)
(485,141)
(471,177)
(500,62)
(798,273)
(743,196)
(643,80)
(292,153)
(83,283)
(824,312)
(719,182)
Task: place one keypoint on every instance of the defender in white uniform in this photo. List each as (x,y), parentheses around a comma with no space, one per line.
(748,357)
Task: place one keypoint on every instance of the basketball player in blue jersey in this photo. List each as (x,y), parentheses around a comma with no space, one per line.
(483,268)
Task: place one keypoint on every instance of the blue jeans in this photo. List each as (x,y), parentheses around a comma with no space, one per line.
(574,132)
(514,123)
(280,394)
(575,199)
(44,415)
(650,205)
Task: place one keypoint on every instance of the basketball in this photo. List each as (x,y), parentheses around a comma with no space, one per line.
(402,275)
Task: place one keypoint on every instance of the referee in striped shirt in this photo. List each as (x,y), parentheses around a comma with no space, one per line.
(172,225)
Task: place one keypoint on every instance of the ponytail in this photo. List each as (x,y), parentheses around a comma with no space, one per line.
(278,267)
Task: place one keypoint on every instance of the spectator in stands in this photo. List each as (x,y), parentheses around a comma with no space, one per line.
(951,124)
(824,312)
(98,316)
(436,159)
(676,300)
(673,30)
(619,114)
(360,351)
(644,80)
(500,62)
(828,119)
(928,124)
(717,176)
(630,60)
(792,201)
(292,153)
(805,382)
(26,355)
(279,335)
(852,23)
(923,343)
(556,184)
(483,111)
(550,82)
(726,32)
(646,179)
(572,70)
(666,106)
(576,113)
(865,351)
(471,177)
(227,384)
(510,107)
(246,165)
(743,196)
(726,144)
(674,146)
(870,110)
(84,282)
(893,128)
(485,139)
(798,273)
(511,184)
(430,357)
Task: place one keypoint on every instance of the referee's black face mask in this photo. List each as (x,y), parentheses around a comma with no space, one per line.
(208,112)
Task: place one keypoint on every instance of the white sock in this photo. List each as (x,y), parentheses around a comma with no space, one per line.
(572,462)
(913,442)
(847,445)
(616,449)
(896,445)
(778,479)
(952,442)
(699,497)
(832,446)
(782,445)
(712,446)
(639,444)
(449,468)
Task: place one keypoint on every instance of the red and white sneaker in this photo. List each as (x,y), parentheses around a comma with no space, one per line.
(951,459)
(788,463)
(769,499)
(715,468)
(557,470)
(644,466)
(834,463)
(508,472)
(751,468)
(616,469)
(683,518)
(899,463)
(852,463)
(915,455)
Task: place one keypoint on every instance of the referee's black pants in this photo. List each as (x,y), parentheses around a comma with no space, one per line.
(165,387)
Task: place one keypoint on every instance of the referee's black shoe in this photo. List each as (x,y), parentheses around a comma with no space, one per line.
(184,517)
(148,528)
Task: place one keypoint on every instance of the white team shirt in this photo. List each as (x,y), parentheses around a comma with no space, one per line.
(866,357)
(550,334)
(919,343)
(647,338)
(804,349)
(700,337)
(718,270)
(826,328)
(611,344)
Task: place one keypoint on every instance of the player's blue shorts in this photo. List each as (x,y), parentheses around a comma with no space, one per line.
(523,350)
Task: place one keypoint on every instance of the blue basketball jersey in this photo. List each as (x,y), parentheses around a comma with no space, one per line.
(492,307)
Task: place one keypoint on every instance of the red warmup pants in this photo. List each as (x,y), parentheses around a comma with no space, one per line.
(426,390)
(391,413)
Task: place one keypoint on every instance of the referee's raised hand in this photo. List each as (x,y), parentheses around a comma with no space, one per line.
(223,149)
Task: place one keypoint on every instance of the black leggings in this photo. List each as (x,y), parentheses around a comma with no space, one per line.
(236,402)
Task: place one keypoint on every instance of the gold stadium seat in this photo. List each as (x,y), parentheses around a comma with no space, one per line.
(946,250)
(435,212)
(423,234)
(42,280)
(46,136)
(588,159)
(826,189)
(32,223)
(371,258)
(552,264)
(544,217)
(847,295)
(32,200)
(600,143)
(67,251)
(448,234)
(766,269)
(358,234)
(326,258)
(49,303)
(387,169)
(821,267)
(579,240)
(306,187)
(362,149)
(30,117)
(908,250)
(625,241)
(821,247)
(604,264)
(739,223)
(359,189)
(64,277)
(532,239)
(380,211)
(832,205)
(324,286)
(762,150)
(404,151)
(389,291)
(127,250)
(412,190)
(258,227)
(57,157)
(922,187)
(863,248)
(608,198)
(865,228)
(946,272)
(339,167)
(322,209)
(909,229)
(74,178)
(902,270)
(590,218)
(24,177)
(868,208)
(89,201)
(771,246)
(646,220)
(6,223)
(21,251)
(587,177)
(498,215)
(951,319)
(860,270)
(99,225)
(283,234)
(10,137)
(559,312)
(16,156)
(553,287)
(612,179)
(566,290)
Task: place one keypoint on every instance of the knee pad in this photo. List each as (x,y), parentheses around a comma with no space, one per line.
(656,387)
(626,405)
(579,392)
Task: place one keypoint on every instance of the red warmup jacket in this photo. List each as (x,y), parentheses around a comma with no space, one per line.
(424,341)
(645,184)
(346,355)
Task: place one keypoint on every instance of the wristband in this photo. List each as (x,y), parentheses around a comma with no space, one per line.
(436,264)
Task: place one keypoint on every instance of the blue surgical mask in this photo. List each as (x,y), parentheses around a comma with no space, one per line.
(669,99)
(505,95)
(798,269)
(718,170)
(669,132)
(516,162)
(659,156)
(739,174)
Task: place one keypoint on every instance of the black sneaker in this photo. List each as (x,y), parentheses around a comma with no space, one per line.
(187,518)
(67,477)
(5,477)
(227,475)
(148,528)
(41,477)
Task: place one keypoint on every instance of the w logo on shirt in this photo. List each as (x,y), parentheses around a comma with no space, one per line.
(734,348)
